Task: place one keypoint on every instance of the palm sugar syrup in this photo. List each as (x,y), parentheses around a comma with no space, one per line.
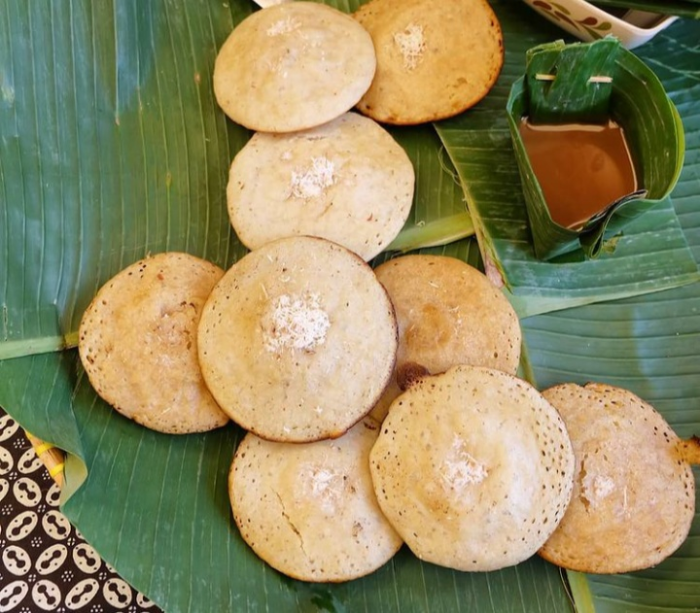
(581,168)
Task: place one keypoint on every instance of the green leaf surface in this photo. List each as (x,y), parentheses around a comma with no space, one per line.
(111,146)
(439,213)
(569,97)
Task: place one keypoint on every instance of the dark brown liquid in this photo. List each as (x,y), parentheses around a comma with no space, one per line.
(581,168)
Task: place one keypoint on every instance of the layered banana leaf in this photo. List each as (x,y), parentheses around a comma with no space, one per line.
(111,146)
(439,214)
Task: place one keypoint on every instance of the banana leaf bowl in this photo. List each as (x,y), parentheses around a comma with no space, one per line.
(112,147)
(593,83)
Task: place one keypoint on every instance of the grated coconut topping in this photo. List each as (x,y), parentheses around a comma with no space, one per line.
(411,44)
(597,487)
(312,181)
(461,468)
(283,26)
(323,486)
(297,323)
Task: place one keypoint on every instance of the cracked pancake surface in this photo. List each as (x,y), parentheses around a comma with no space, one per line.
(309,509)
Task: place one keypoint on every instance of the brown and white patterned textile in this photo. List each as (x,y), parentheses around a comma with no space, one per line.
(45,565)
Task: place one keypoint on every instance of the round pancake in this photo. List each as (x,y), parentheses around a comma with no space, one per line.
(473,468)
(298,340)
(634,495)
(309,510)
(348,181)
(448,313)
(138,343)
(293,66)
(434,59)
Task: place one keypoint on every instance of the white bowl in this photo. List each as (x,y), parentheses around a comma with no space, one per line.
(589,22)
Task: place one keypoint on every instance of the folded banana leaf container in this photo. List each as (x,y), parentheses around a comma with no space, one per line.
(590,83)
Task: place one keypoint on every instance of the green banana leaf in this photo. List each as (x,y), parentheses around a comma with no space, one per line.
(439,213)
(110,147)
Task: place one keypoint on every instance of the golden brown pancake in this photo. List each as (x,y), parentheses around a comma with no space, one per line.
(138,343)
(634,491)
(448,313)
(298,340)
(434,59)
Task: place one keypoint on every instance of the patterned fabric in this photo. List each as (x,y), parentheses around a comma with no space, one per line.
(45,565)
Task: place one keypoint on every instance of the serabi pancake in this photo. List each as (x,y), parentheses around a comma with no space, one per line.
(434,59)
(348,181)
(473,468)
(448,313)
(309,509)
(293,66)
(138,343)
(298,340)
(634,492)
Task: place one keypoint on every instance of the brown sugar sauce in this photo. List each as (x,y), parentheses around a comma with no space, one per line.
(581,168)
